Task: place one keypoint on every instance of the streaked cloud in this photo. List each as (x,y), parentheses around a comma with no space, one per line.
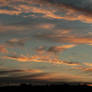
(66,37)
(41,78)
(9,12)
(42,59)
(88,64)
(16,42)
(3,49)
(89,85)
(45,41)
(45,26)
(56,77)
(84,69)
(72,13)
(20,71)
(7,28)
(60,48)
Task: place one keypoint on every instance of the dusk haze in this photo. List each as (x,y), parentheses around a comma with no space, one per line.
(45,42)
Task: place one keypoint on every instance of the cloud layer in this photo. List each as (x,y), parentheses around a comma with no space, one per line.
(45,40)
(72,11)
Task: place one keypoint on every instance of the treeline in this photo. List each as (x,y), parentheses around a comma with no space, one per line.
(45,88)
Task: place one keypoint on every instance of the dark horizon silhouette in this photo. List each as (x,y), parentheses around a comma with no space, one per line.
(61,87)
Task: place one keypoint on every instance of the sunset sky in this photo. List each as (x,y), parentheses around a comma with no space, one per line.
(45,40)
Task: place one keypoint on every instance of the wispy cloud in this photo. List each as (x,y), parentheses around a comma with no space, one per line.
(71,12)
(17,41)
(38,33)
(53,50)
(9,12)
(68,37)
(42,59)
(3,49)
(20,71)
(60,48)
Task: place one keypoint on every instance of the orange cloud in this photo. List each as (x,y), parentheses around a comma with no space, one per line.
(88,64)
(60,48)
(81,40)
(9,12)
(84,69)
(54,49)
(89,85)
(4,28)
(16,41)
(39,58)
(27,71)
(45,26)
(48,13)
(3,49)
(67,37)
(34,71)
(24,71)
(71,13)
(58,77)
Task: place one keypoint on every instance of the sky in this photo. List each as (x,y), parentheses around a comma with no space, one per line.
(45,41)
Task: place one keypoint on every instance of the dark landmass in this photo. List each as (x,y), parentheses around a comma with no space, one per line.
(60,88)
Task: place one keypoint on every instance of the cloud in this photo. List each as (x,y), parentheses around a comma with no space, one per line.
(57,77)
(20,71)
(72,12)
(16,42)
(60,48)
(87,64)
(10,12)
(44,54)
(89,85)
(17,75)
(3,49)
(43,17)
(40,78)
(68,37)
(45,26)
(5,28)
(41,58)
(26,25)
(54,49)
(84,69)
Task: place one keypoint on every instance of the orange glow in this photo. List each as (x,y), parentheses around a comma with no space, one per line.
(3,49)
(9,12)
(88,64)
(89,85)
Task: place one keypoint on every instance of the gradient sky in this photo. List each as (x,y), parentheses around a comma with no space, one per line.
(45,40)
